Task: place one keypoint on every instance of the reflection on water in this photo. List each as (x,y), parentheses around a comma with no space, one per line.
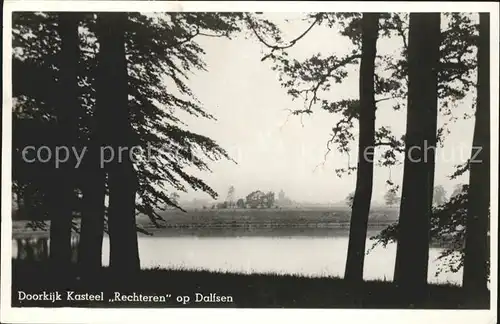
(37,248)
(295,251)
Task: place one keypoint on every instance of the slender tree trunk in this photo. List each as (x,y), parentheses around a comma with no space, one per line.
(94,182)
(20,206)
(30,255)
(92,221)
(364,177)
(45,249)
(412,254)
(61,189)
(122,178)
(28,203)
(477,225)
(19,244)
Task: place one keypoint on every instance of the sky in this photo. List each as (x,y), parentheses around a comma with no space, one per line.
(274,150)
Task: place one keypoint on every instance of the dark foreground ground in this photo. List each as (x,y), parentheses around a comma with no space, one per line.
(179,289)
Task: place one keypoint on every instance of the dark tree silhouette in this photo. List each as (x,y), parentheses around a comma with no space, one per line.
(313,77)
(112,101)
(366,147)
(416,202)
(93,209)
(455,81)
(160,52)
(62,185)
(477,226)
(93,175)
(45,64)
(307,79)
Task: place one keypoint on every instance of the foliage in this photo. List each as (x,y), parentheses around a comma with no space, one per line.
(447,227)
(313,79)
(349,200)
(458,190)
(269,199)
(254,199)
(162,52)
(259,199)
(174,198)
(439,195)
(391,197)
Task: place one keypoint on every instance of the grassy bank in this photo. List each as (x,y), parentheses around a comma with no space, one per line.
(246,291)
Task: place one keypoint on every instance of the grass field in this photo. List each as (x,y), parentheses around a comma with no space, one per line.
(246,291)
(310,218)
(277,215)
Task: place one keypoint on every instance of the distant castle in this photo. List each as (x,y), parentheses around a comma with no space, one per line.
(283,200)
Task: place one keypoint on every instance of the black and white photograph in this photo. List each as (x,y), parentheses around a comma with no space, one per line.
(249,155)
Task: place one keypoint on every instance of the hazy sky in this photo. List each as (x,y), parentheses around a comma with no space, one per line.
(276,151)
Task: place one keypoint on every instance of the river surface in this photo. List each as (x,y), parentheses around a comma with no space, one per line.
(301,252)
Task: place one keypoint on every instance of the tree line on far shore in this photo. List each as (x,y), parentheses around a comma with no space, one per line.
(254,200)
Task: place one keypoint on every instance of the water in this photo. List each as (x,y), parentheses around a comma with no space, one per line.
(297,253)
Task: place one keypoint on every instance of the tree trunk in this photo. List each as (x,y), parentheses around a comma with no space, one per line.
(61,187)
(124,252)
(412,254)
(364,177)
(122,178)
(45,249)
(92,221)
(477,224)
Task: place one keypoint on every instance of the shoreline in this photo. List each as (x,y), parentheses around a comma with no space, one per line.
(224,227)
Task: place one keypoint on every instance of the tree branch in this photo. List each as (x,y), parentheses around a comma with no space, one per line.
(197,32)
(314,90)
(390,144)
(279,47)
(388,98)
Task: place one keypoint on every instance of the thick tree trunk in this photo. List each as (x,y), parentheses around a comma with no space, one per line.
(124,252)
(477,226)
(364,177)
(412,254)
(61,187)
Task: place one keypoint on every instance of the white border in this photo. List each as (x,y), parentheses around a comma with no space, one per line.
(80,315)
